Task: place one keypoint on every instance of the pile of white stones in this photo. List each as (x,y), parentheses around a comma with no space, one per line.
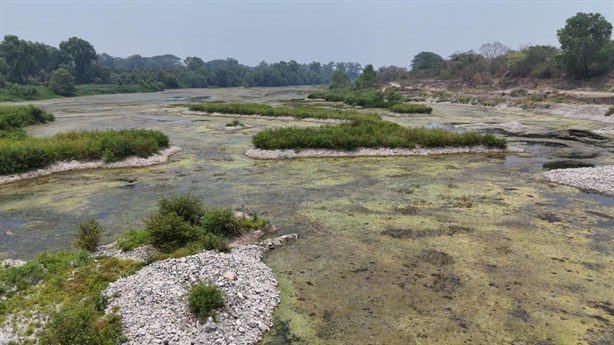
(153,302)
(598,179)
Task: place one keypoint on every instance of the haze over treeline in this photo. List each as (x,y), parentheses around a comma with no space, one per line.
(585,39)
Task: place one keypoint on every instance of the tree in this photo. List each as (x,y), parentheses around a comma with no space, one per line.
(585,45)
(340,80)
(62,82)
(367,78)
(426,61)
(493,50)
(82,54)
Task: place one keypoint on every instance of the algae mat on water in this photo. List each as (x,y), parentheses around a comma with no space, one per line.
(406,250)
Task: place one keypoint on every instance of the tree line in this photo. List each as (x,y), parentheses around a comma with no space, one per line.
(586,50)
(75,61)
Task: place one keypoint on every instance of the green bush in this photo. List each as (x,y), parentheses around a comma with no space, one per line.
(188,207)
(133,239)
(88,234)
(411,108)
(17,92)
(169,231)
(204,300)
(211,241)
(80,324)
(221,222)
(18,116)
(610,111)
(235,123)
(266,110)
(62,82)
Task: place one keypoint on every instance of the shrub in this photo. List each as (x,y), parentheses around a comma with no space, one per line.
(235,123)
(168,231)
(62,82)
(204,300)
(363,98)
(89,234)
(188,207)
(17,116)
(133,239)
(221,222)
(80,324)
(411,108)
(211,241)
(610,111)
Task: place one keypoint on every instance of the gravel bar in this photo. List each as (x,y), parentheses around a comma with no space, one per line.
(598,179)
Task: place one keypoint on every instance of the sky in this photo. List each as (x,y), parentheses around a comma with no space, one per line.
(383,32)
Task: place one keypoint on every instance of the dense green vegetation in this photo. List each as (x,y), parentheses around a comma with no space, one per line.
(266,110)
(18,116)
(182,225)
(27,153)
(411,109)
(204,300)
(67,286)
(368,134)
(367,98)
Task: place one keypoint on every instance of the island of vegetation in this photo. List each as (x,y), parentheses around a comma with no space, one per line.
(20,152)
(64,297)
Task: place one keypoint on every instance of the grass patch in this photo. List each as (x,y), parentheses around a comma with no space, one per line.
(67,286)
(133,239)
(266,110)
(34,153)
(367,134)
(15,117)
(204,300)
(235,123)
(18,92)
(362,98)
(411,109)
(103,89)
(610,111)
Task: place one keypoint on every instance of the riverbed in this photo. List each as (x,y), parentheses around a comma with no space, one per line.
(475,248)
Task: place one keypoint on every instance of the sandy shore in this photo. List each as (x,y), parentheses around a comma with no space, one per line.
(130,162)
(312,153)
(598,179)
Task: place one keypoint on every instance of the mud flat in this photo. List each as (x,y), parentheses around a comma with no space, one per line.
(598,179)
(130,162)
(364,152)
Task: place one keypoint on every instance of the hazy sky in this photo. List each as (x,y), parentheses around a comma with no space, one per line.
(378,32)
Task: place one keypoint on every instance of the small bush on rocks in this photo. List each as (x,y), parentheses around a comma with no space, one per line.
(411,109)
(221,222)
(610,111)
(186,206)
(217,242)
(88,235)
(204,300)
(169,231)
(133,239)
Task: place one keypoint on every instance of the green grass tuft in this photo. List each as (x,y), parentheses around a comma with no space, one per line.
(204,300)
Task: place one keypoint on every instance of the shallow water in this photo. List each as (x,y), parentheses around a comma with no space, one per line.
(399,250)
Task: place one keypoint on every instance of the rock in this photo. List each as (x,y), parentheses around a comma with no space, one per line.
(230,275)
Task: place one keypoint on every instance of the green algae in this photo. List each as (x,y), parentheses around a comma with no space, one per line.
(529,261)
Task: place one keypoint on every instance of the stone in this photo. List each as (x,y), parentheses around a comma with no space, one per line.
(230,275)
